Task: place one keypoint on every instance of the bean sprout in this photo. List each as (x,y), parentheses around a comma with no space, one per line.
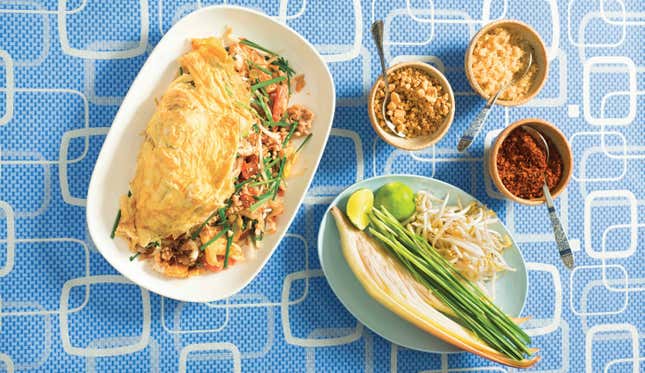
(462,235)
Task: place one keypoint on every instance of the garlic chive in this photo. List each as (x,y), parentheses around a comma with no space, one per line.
(229,242)
(302,144)
(116,223)
(217,236)
(257,46)
(265,83)
(471,307)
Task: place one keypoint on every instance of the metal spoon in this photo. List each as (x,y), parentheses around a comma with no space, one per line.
(477,124)
(558,231)
(377,35)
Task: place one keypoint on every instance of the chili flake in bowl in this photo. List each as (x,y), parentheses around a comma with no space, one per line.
(421,105)
(518,164)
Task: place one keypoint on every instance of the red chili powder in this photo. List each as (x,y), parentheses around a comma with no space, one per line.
(521,163)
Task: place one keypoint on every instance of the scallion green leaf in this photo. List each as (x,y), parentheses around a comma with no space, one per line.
(229,242)
(258,183)
(280,123)
(294,125)
(239,186)
(268,82)
(471,307)
(201,226)
(283,64)
(270,162)
(116,223)
(259,101)
(261,200)
(256,66)
(278,181)
(302,144)
(222,214)
(257,46)
(217,236)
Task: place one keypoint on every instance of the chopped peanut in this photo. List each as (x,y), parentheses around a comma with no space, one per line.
(497,57)
(299,81)
(418,104)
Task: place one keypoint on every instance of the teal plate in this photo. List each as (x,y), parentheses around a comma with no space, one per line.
(510,289)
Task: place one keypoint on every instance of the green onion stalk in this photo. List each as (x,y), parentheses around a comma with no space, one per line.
(471,307)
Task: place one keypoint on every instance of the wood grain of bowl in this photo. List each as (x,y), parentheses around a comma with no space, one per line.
(539,59)
(559,141)
(418,142)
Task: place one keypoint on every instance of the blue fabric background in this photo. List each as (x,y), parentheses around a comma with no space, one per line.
(63,308)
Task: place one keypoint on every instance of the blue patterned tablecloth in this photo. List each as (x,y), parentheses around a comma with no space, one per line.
(65,66)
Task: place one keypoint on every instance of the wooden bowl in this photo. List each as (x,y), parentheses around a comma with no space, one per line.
(539,59)
(558,140)
(419,142)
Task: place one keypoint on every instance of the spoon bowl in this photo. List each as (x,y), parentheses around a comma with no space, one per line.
(535,134)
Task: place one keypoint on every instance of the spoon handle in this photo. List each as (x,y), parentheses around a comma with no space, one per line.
(477,124)
(472,131)
(558,231)
(377,35)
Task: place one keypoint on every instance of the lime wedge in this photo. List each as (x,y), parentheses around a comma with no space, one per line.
(358,206)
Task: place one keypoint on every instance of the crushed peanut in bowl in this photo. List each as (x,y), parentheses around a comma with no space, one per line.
(498,55)
(418,103)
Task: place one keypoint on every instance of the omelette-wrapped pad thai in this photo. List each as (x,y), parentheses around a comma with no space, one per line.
(211,172)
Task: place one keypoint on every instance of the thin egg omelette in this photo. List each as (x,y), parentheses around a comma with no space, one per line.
(211,173)
(184,168)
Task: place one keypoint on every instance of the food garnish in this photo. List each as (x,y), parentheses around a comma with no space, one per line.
(522,163)
(418,103)
(305,141)
(398,198)
(257,46)
(265,83)
(403,271)
(497,57)
(462,235)
(211,173)
(283,65)
(359,205)
(116,223)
